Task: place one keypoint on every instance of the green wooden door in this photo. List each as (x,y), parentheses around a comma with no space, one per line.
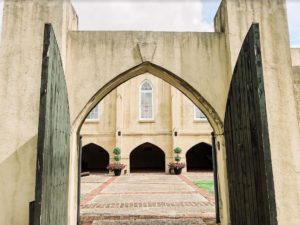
(250,177)
(52,171)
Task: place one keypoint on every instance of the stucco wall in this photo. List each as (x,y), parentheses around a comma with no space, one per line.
(203,60)
(235,18)
(296,73)
(172,112)
(194,60)
(162,120)
(106,122)
(198,58)
(20,66)
(295,53)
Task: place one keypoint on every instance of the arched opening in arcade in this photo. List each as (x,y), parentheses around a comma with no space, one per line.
(199,158)
(147,158)
(94,159)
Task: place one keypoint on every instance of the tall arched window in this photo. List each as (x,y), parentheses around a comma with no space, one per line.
(146,101)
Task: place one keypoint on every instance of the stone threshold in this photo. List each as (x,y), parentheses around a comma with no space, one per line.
(88,219)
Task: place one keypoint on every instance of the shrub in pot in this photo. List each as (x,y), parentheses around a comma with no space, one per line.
(177,165)
(117,167)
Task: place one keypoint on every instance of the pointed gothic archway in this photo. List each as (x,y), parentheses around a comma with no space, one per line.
(169,77)
(263,179)
(199,158)
(94,158)
(147,157)
(250,177)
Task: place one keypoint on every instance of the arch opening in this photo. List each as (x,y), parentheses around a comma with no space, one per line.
(147,158)
(94,159)
(167,76)
(199,158)
(147,67)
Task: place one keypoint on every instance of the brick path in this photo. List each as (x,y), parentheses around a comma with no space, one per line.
(145,199)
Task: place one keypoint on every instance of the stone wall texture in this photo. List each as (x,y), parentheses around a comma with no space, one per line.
(200,65)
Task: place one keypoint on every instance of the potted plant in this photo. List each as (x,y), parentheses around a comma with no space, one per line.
(177,166)
(117,166)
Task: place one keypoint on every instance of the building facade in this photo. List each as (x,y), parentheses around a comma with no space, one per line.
(148,113)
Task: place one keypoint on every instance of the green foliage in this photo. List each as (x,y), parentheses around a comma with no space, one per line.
(177,150)
(177,158)
(117,151)
(117,158)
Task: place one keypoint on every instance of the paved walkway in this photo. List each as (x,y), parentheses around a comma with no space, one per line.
(145,199)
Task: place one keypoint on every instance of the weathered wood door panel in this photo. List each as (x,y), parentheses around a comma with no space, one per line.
(51,197)
(250,177)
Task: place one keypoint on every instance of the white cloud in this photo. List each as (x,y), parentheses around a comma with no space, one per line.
(141,15)
(163,15)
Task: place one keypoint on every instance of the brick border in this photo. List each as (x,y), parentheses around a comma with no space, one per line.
(144,204)
(88,219)
(201,191)
(91,195)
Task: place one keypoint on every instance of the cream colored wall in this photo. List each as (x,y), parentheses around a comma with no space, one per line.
(234,19)
(189,131)
(296,72)
(185,122)
(23,47)
(106,123)
(102,131)
(20,69)
(135,131)
(295,53)
(162,122)
(184,54)
(205,61)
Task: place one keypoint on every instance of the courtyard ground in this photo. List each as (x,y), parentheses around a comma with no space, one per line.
(146,198)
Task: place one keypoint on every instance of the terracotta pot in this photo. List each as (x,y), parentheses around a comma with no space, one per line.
(117,172)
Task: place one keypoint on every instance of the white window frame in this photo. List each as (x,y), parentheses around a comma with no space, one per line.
(195,115)
(98,116)
(140,101)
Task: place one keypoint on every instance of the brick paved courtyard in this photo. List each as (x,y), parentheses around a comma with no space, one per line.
(145,199)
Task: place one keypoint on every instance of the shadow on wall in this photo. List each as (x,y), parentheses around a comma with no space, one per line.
(18,170)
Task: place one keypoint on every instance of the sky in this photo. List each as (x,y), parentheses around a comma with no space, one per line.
(160,15)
